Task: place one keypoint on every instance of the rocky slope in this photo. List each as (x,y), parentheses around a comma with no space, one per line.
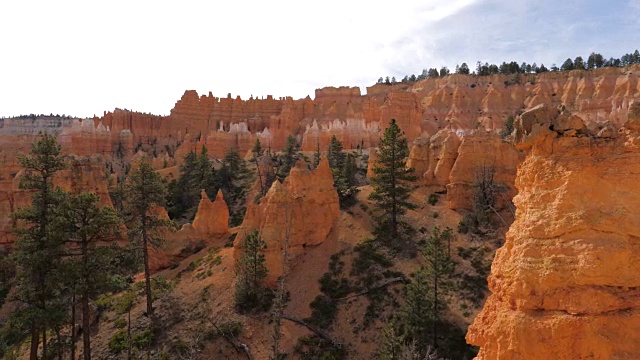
(565,283)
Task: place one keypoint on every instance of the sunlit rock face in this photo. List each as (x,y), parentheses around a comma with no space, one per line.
(303,210)
(565,283)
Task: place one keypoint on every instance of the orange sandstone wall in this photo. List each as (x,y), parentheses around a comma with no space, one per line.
(565,283)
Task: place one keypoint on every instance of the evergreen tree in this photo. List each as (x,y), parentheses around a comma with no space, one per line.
(343,167)
(578,63)
(438,267)
(288,158)
(391,177)
(316,156)
(416,315)
(335,156)
(346,182)
(39,245)
(204,177)
(250,272)
(87,225)
(567,65)
(182,195)
(232,180)
(392,343)
(463,69)
(196,174)
(257,148)
(145,191)
(257,153)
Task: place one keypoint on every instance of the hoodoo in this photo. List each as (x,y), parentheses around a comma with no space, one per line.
(565,283)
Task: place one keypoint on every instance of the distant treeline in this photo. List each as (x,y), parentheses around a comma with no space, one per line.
(594,61)
(35,116)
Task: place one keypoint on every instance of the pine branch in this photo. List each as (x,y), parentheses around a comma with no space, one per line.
(375,287)
(323,334)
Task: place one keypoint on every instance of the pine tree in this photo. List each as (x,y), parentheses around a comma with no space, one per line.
(439,267)
(232,179)
(343,167)
(204,177)
(87,226)
(257,148)
(390,180)
(288,158)
(39,244)
(392,343)
(257,153)
(335,155)
(250,272)
(145,191)
(316,156)
(416,316)
(182,195)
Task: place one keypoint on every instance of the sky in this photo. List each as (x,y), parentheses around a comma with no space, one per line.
(81,58)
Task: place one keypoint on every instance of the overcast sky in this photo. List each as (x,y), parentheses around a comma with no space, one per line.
(84,57)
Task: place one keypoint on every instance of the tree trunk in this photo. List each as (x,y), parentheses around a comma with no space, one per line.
(86,321)
(73,325)
(59,340)
(35,341)
(129,336)
(86,326)
(147,273)
(255,158)
(44,342)
(435,308)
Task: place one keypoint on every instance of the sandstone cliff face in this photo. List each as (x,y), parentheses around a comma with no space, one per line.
(601,99)
(302,209)
(86,174)
(565,283)
(450,160)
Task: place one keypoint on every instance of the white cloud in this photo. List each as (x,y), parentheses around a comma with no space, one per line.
(83,57)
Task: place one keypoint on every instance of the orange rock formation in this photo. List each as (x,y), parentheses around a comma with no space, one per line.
(301,211)
(451,160)
(565,283)
(212,217)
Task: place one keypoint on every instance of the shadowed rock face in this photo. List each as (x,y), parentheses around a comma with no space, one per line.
(303,209)
(565,283)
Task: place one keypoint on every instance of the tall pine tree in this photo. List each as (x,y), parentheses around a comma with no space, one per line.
(88,226)
(39,244)
(145,190)
(439,267)
(390,180)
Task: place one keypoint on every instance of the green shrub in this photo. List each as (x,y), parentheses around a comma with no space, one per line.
(323,311)
(314,347)
(143,340)
(433,199)
(118,342)
(230,328)
(435,215)
(193,265)
(120,323)
(104,302)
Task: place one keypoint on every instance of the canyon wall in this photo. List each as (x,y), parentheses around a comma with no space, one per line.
(448,121)
(565,283)
(455,102)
